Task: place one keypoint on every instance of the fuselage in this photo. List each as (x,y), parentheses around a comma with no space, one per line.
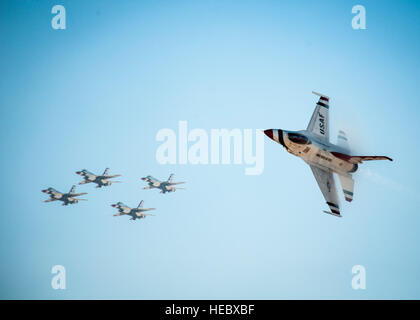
(312,150)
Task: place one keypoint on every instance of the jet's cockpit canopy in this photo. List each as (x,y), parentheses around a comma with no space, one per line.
(298,138)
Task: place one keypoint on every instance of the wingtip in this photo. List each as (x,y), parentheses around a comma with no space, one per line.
(334,214)
(320,94)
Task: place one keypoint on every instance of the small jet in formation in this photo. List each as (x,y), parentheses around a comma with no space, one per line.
(313,146)
(67,198)
(164,186)
(101,181)
(135,213)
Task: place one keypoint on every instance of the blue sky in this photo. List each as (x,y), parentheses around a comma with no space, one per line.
(95,95)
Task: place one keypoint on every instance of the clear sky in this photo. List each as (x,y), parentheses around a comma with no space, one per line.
(96,94)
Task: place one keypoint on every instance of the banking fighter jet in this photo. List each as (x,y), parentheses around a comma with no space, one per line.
(164,186)
(314,147)
(135,213)
(66,198)
(101,181)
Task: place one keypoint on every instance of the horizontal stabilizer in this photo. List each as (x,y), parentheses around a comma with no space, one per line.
(358,159)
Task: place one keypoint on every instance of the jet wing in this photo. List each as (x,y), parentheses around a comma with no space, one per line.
(326,183)
(155,182)
(73,199)
(140,214)
(110,176)
(77,194)
(90,176)
(319,123)
(139,211)
(124,208)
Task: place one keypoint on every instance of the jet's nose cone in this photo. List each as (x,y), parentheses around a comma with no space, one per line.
(269,133)
(276,135)
(113,205)
(144,179)
(45,191)
(78,172)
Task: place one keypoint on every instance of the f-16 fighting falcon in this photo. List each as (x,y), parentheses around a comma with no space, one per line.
(313,146)
(135,213)
(164,186)
(67,198)
(101,181)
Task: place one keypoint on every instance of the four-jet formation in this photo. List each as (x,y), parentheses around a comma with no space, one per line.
(164,186)
(135,213)
(67,198)
(324,158)
(101,181)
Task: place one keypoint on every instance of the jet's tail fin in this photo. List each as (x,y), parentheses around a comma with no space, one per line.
(359,159)
(347,183)
(140,204)
(171,177)
(73,189)
(105,172)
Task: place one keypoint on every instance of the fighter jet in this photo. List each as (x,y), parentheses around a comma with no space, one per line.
(101,181)
(67,198)
(135,213)
(313,146)
(164,186)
